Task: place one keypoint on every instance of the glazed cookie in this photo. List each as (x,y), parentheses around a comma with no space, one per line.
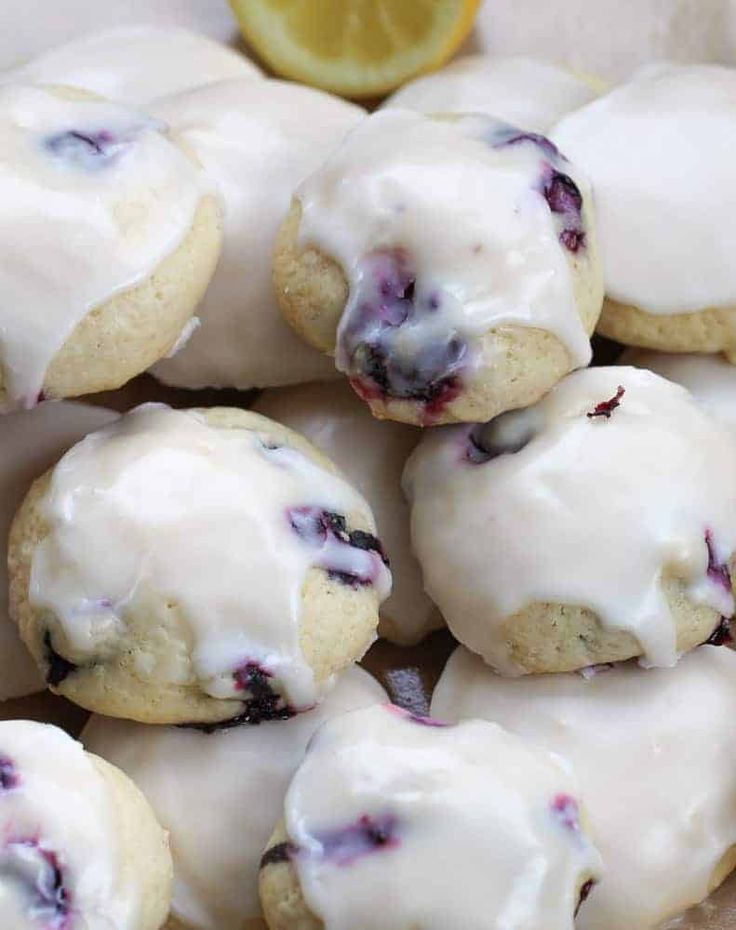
(241,775)
(449,263)
(372,455)
(390,815)
(709,378)
(135,64)
(30,442)
(257,140)
(596,526)
(664,204)
(80,848)
(195,567)
(109,236)
(654,753)
(522,91)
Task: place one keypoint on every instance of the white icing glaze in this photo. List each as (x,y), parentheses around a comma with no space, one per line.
(212,519)
(135,64)
(654,753)
(81,220)
(57,812)
(709,378)
(527,93)
(372,454)
(241,775)
(472,230)
(664,198)
(590,512)
(257,140)
(30,443)
(393,817)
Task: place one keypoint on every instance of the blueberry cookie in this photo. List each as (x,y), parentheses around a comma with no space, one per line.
(30,442)
(654,753)
(244,773)
(709,378)
(109,235)
(135,64)
(449,263)
(522,91)
(390,815)
(372,455)
(257,140)
(664,205)
(195,567)
(597,525)
(80,848)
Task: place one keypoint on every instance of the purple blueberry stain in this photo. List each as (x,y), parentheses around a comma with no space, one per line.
(264,703)
(718,571)
(368,835)
(88,150)
(565,809)
(503,135)
(566,203)
(352,557)
(40,871)
(418,719)
(9,777)
(58,669)
(382,347)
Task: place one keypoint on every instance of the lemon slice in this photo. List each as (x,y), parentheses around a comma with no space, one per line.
(358,48)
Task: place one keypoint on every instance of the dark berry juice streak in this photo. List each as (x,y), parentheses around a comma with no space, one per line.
(8,774)
(51,899)
(367,835)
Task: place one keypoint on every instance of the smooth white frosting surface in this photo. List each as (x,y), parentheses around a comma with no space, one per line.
(372,453)
(522,91)
(664,198)
(60,865)
(399,822)
(444,232)
(709,378)
(654,753)
(257,140)
(30,442)
(219,521)
(220,795)
(135,64)
(94,198)
(589,512)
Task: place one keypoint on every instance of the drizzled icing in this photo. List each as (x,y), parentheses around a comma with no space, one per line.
(372,454)
(440,249)
(257,140)
(135,64)
(527,93)
(553,505)
(244,773)
(206,518)
(390,819)
(60,861)
(654,753)
(30,442)
(94,198)
(709,378)
(664,198)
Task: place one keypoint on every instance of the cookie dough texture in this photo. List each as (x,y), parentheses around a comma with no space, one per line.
(652,750)
(328,243)
(146,672)
(241,776)
(372,454)
(524,527)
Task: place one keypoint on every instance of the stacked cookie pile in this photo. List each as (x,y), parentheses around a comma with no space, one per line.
(416,290)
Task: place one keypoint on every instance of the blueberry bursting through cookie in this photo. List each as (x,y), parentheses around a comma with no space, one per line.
(387,353)
(38,872)
(345,845)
